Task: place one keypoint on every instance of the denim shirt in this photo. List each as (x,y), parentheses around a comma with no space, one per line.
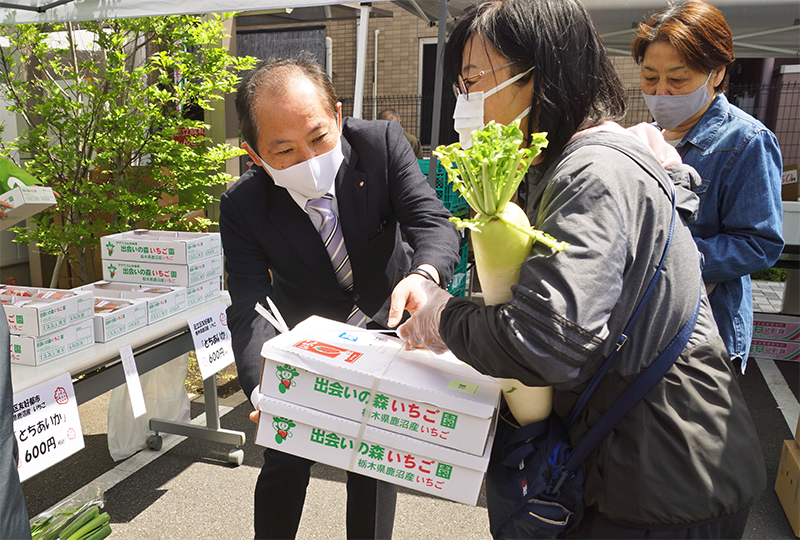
(740,224)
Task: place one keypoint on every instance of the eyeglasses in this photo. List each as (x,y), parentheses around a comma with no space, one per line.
(460,86)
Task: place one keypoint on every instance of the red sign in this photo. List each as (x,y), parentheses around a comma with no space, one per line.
(329,351)
(185,135)
(61,396)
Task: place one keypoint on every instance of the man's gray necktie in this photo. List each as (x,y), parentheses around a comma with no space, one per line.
(332,237)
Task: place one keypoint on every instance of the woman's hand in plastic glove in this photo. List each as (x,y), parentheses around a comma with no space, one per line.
(422,329)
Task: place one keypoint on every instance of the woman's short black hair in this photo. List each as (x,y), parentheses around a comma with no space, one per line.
(575,86)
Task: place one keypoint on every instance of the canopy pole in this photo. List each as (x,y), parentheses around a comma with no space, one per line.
(361,60)
(437,90)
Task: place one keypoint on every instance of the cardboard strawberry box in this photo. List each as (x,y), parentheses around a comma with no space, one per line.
(354,373)
(161,301)
(771,326)
(787,484)
(115,317)
(203,292)
(373,452)
(28,201)
(143,245)
(36,312)
(775,349)
(38,350)
(171,275)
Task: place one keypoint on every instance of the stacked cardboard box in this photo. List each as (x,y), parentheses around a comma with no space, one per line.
(159,301)
(27,201)
(787,484)
(47,324)
(163,258)
(776,336)
(356,399)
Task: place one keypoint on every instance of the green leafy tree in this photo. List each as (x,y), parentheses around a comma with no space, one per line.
(102,121)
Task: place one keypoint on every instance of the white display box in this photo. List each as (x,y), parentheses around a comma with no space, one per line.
(159,304)
(775,349)
(28,201)
(776,326)
(130,315)
(171,275)
(143,245)
(376,453)
(791,222)
(337,368)
(203,292)
(35,351)
(37,316)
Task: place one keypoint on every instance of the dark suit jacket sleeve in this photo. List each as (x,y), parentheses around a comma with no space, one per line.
(248,282)
(423,218)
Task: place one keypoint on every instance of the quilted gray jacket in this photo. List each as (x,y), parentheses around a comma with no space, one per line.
(688,451)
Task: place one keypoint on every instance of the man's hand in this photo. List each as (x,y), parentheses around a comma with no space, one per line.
(254,416)
(408,295)
(5,204)
(422,329)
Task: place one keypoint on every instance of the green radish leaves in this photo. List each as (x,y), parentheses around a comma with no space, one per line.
(489,172)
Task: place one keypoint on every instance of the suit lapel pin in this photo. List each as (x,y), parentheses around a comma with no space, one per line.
(361,184)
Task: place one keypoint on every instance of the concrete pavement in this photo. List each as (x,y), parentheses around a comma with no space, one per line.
(189,490)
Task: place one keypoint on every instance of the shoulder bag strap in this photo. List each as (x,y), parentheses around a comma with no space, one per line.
(592,386)
(635,392)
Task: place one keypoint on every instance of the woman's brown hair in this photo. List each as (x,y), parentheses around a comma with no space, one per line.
(696,29)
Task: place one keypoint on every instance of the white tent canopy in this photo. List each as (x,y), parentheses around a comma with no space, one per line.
(761,28)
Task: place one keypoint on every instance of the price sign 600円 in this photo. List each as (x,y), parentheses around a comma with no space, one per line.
(46,424)
(212,341)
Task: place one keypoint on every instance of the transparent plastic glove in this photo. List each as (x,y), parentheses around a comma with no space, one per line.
(422,329)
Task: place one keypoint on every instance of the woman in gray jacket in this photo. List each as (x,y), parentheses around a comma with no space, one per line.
(685,462)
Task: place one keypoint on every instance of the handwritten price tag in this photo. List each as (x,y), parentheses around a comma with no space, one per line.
(47,425)
(212,341)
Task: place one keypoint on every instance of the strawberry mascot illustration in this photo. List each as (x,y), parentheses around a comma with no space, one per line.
(286,374)
(282,427)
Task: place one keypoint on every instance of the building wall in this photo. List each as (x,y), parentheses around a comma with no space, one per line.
(398,52)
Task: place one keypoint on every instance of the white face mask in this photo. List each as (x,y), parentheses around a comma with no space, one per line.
(671,111)
(312,178)
(468,114)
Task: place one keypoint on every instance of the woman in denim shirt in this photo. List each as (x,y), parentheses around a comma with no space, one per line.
(685,51)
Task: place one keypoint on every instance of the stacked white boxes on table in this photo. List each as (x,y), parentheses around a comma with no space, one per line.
(165,259)
(47,324)
(159,301)
(357,400)
(776,336)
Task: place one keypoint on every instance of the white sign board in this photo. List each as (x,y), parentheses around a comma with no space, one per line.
(46,424)
(212,341)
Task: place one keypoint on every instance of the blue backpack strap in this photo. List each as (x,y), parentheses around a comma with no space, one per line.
(592,386)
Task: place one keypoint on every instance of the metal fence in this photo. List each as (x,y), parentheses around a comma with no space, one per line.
(776,105)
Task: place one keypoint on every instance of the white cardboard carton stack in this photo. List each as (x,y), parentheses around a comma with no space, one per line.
(173,259)
(27,200)
(776,336)
(46,324)
(160,302)
(356,399)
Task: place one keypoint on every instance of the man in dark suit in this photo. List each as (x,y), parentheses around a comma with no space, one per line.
(270,222)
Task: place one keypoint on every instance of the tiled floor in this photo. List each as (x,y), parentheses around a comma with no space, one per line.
(767,296)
